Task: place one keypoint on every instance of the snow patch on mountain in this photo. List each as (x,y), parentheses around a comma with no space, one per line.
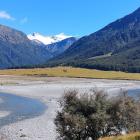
(47,39)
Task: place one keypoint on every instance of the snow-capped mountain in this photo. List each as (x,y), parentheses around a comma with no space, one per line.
(47,39)
(55,45)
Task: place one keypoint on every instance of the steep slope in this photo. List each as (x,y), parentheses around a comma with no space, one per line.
(127,59)
(16,50)
(59,47)
(111,40)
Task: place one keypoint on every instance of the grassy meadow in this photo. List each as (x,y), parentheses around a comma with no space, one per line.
(134,136)
(72,72)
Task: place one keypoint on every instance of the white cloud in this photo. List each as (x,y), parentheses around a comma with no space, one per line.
(5,15)
(24,20)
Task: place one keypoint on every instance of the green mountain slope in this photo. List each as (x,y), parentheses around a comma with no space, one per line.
(115,47)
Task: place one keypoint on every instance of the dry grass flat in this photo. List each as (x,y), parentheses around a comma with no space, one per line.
(134,136)
(72,72)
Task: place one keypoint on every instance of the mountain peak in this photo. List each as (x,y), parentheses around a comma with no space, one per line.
(47,39)
(35,34)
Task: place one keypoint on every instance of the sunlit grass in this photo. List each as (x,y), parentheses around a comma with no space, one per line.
(72,72)
(133,136)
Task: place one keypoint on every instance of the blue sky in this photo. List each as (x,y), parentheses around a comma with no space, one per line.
(72,17)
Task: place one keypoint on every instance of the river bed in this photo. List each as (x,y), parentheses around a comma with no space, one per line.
(40,125)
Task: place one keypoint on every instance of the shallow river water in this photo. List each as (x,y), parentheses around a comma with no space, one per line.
(18,108)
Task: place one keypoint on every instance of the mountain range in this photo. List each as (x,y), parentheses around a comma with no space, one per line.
(55,45)
(114,47)
(17,50)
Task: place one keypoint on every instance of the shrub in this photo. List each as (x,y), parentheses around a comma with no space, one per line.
(96,115)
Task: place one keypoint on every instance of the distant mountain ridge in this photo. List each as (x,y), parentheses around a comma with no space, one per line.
(46,40)
(118,39)
(55,45)
(59,47)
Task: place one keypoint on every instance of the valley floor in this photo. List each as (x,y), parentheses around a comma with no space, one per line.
(72,72)
(49,90)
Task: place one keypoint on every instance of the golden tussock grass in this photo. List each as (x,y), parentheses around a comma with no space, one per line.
(72,72)
(133,136)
